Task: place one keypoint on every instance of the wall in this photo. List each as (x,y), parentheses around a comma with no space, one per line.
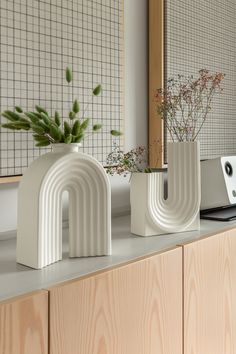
(136,56)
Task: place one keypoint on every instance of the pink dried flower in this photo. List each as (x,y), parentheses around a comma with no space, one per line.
(121,163)
(185,103)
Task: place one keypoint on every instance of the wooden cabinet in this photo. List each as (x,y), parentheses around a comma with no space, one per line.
(24,324)
(182,301)
(210,295)
(133,309)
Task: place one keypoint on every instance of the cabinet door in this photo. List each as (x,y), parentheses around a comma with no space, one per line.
(24,324)
(210,295)
(133,309)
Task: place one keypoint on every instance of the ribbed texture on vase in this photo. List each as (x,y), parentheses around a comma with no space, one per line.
(181,209)
(89,209)
(182,206)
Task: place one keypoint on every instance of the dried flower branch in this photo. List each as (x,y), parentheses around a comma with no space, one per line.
(135,160)
(122,163)
(185,103)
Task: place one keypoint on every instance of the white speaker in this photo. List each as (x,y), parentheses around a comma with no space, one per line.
(218,182)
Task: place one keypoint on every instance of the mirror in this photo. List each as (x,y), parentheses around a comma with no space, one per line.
(185,37)
(38,41)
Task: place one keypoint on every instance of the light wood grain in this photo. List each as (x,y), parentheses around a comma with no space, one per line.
(11,179)
(210,295)
(156,79)
(24,324)
(134,309)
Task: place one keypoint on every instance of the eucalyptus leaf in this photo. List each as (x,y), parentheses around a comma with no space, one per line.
(22,125)
(97,90)
(43,125)
(37,114)
(97,127)
(67,128)
(76,107)
(68,75)
(76,128)
(24,120)
(79,138)
(11,115)
(10,126)
(45,118)
(115,132)
(85,124)
(5,115)
(42,143)
(40,109)
(68,139)
(72,115)
(57,119)
(34,119)
(55,133)
(40,138)
(37,129)
(18,109)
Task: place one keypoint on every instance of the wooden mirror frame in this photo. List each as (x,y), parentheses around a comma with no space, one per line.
(156,80)
(10,179)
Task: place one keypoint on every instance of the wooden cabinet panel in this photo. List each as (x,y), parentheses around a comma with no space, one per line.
(134,309)
(24,324)
(210,295)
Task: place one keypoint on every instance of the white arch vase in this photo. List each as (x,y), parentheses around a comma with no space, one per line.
(151,213)
(39,233)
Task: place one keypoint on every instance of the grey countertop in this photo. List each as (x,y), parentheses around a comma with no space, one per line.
(16,279)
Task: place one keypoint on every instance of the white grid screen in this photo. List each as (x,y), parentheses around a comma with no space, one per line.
(202,34)
(38,40)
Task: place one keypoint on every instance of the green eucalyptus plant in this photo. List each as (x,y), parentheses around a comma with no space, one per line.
(48,129)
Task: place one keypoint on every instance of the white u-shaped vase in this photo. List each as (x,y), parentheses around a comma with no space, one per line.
(151,213)
(39,234)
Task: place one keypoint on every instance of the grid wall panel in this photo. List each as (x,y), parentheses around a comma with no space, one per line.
(202,34)
(38,40)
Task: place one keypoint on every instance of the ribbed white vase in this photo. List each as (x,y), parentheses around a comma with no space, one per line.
(39,234)
(151,213)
